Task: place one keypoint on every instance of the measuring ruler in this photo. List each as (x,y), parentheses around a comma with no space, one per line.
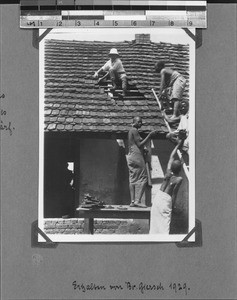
(166,14)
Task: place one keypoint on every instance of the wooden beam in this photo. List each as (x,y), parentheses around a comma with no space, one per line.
(120,91)
(159,104)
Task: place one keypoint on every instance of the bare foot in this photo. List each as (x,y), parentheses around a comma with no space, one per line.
(139,204)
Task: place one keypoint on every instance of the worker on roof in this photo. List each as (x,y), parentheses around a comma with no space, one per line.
(173,83)
(182,132)
(136,163)
(115,69)
(165,199)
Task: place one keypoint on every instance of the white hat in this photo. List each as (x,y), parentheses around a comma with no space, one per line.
(113,51)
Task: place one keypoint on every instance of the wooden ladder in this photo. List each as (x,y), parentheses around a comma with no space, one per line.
(185,167)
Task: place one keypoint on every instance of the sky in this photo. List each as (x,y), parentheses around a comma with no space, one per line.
(166,35)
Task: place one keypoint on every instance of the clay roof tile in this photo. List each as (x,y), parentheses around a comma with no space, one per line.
(75,102)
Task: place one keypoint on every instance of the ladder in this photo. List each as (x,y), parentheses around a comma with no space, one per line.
(186,171)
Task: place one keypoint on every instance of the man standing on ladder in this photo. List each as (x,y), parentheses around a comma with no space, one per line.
(174,82)
(116,71)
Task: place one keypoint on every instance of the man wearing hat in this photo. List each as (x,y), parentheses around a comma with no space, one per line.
(116,71)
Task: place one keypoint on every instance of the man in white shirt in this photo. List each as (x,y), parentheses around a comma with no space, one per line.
(116,71)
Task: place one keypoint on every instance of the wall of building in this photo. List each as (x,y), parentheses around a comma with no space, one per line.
(100,169)
(103,171)
(105,226)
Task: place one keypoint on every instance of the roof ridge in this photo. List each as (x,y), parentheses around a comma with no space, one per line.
(133,42)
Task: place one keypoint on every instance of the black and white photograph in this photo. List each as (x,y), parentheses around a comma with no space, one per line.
(117,135)
(118,158)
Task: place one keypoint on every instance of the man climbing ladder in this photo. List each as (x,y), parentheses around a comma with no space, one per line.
(165,198)
(173,82)
(170,132)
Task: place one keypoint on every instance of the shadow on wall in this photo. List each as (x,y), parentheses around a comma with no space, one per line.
(121,193)
(180,217)
(104,171)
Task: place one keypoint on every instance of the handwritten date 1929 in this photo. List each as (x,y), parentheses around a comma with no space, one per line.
(177,287)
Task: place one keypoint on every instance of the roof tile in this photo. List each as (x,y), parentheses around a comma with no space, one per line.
(60,127)
(51,126)
(75,102)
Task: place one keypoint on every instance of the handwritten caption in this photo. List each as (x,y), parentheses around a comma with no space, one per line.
(141,287)
(5,125)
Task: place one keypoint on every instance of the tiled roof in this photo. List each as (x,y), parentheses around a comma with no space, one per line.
(74,101)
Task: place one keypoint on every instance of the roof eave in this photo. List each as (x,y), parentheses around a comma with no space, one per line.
(99,135)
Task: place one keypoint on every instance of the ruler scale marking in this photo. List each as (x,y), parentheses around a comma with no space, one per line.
(154,13)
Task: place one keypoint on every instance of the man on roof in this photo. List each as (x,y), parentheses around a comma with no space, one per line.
(165,199)
(115,69)
(138,176)
(173,82)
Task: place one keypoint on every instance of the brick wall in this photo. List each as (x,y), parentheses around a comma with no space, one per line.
(101,226)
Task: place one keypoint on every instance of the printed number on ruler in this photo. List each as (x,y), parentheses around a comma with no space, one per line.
(31,23)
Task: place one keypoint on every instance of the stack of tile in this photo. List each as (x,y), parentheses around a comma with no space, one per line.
(91,202)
